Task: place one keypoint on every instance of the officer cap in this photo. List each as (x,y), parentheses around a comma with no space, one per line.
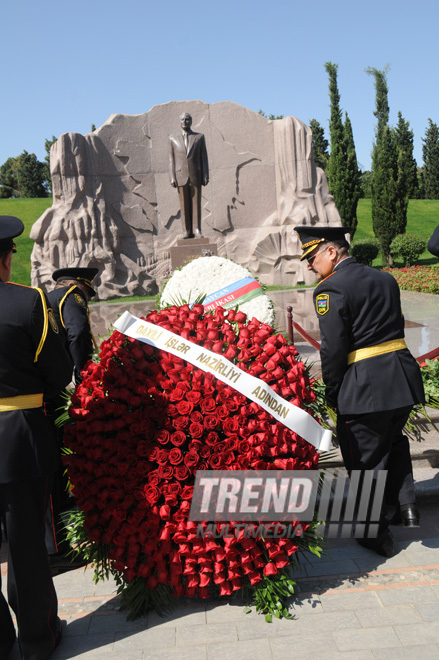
(310,236)
(84,275)
(10,227)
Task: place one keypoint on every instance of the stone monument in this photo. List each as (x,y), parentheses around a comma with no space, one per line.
(114,208)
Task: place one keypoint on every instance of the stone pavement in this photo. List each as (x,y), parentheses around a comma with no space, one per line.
(350,604)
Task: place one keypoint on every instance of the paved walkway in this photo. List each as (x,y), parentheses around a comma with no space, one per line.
(350,604)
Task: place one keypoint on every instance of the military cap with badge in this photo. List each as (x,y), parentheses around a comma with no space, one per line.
(10,227)
(82,275)
(310,237)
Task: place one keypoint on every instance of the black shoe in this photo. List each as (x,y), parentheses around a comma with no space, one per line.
(58,633)
(383,545)
(410,515)
(68,562)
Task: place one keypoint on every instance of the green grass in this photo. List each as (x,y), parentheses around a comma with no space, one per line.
(422,218)
(28,210)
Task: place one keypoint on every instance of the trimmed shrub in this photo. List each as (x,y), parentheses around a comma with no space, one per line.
(366,250)
(408,247)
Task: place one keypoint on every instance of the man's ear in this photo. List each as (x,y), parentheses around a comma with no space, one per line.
(5,266)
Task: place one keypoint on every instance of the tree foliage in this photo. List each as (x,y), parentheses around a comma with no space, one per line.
(388,218)
(22,177)
(319,144)
(430,154)
(261,112)
(9,178)
(31,176)
(407,167)
(46,171)
(342,170)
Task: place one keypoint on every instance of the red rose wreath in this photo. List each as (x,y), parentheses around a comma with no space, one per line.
(143,422)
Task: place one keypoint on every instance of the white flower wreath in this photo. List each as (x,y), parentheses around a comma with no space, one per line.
(206,275)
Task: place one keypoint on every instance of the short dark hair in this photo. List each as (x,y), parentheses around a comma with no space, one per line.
(340,244)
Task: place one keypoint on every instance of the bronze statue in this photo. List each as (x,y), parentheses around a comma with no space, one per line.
(188,171)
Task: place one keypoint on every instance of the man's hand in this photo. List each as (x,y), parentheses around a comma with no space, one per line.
(174,183)
(205,180)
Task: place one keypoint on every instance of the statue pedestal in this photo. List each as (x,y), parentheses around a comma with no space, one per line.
(188,249)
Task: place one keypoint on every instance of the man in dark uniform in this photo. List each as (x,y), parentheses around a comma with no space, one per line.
(433,242)
(371,378)
(69,301)
(33,366)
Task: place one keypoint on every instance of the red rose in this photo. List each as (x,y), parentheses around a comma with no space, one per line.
(196,430)
(208,405)
(162,436)
(166,471)
(211,422)
(184,407)
(191,459)
(181,422)
(193,397)
(175,456)
(178,438)
(182,472)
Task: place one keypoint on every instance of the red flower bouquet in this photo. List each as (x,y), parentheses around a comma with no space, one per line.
(144,421)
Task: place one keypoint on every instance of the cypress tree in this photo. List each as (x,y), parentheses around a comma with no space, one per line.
(408,168)
(387,220)
(343,182)
(430,154)
(319,144)
(353,178)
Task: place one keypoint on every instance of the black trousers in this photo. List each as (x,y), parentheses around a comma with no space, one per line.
(375,442)
(31,593)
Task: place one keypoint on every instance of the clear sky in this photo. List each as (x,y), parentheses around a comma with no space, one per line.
(67,65)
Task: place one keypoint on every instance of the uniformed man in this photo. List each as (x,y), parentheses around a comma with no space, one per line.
(371,378)
(33,365)
(69,301)
(433,242)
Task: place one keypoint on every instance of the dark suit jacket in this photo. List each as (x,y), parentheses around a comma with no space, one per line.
(71,312)
(358,307)
(191,167)
(28,446)
(433,243)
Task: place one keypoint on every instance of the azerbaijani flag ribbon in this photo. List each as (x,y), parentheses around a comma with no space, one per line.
(229,296)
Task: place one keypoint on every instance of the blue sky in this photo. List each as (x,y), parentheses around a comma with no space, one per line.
(67,65)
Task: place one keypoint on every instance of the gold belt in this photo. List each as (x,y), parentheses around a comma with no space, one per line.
(379,349)
(21,402)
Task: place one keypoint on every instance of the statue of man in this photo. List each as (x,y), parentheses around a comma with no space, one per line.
(188,171)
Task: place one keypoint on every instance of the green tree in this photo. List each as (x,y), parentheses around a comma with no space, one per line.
(319,144)
(344,183)
(353,175)
(31,176)
(261,112)
(366,184)
(387,217)
(9,178)
(430,154)
(408,169)
(46,170)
